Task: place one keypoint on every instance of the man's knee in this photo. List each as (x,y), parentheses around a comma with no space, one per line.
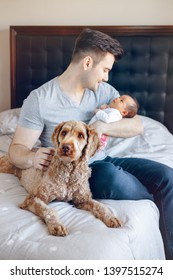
(112,182)
(106,180)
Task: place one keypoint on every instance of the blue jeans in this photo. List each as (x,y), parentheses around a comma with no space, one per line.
(133,179)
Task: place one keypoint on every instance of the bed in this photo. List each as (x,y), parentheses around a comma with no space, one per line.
(39,53)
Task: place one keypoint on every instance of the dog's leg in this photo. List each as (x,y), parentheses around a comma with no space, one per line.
(100,211)
(47,214)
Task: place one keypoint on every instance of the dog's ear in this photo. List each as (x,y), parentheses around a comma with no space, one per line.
(56,132)
(93,143)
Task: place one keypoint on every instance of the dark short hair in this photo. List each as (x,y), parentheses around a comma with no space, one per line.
(96,42)
(132,108)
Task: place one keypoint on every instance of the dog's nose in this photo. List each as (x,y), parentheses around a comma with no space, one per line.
(66,148)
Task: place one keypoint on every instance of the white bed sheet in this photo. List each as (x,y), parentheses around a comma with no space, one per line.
(24,236)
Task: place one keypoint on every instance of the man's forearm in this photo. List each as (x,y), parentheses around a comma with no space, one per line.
(21,156)
(127,127)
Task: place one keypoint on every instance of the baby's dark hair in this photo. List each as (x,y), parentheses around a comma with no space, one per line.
(132,108)
(96,42)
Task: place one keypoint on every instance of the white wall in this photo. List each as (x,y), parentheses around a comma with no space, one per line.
(73,12)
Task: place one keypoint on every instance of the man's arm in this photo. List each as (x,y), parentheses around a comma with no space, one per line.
(127,127)
(20,151)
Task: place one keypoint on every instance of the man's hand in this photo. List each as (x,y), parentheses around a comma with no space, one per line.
(23,155)
(43,157)
(98,126)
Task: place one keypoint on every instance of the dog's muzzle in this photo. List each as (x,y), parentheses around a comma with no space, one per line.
(66,149)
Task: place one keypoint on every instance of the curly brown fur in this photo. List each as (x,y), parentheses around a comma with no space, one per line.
(66,179)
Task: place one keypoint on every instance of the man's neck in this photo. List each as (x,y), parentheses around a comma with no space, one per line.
(69,83)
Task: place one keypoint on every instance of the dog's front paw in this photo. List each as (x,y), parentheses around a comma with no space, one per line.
(112,222)
(57,230)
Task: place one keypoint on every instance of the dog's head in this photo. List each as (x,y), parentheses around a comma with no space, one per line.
(74,139)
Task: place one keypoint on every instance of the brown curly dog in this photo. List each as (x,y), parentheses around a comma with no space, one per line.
(66,178)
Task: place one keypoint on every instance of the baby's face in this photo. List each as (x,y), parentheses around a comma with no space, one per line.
(121,103)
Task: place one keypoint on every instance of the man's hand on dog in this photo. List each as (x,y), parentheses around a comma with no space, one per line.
(43,157)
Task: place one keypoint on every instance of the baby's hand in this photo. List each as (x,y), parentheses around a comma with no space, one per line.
(102,107)
(98,109)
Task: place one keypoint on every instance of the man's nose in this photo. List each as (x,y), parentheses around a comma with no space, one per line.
(106,77)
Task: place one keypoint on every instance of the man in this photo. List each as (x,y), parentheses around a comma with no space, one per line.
(75,94)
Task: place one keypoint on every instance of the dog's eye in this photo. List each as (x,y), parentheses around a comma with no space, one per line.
(63,133)
(80,135)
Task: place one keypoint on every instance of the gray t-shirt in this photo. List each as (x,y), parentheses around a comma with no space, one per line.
(48,105)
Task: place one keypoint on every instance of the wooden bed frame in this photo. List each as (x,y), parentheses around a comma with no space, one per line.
(39,53)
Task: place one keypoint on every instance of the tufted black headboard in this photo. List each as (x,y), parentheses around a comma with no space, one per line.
(39,53)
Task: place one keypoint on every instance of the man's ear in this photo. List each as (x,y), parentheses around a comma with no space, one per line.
(87,62)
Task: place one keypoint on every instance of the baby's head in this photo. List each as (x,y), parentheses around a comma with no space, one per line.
(127,106)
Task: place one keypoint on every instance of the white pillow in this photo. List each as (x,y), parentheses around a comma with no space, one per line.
(8,121)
